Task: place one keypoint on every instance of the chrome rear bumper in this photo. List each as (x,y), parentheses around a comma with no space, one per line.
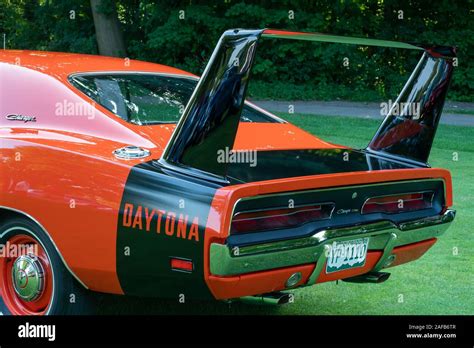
(384,236)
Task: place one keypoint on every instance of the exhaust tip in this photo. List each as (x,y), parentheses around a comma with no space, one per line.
(372,277)
(284,299)
(274,298)
(382,276)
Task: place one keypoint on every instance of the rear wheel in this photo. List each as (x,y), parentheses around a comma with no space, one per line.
(33,278)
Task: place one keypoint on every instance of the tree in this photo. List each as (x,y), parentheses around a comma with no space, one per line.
(107,28)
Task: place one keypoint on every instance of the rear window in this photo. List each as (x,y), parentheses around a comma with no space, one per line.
(146,99)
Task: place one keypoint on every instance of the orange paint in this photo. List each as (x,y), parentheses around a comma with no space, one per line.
(255,283)
(281,136)
(411,252)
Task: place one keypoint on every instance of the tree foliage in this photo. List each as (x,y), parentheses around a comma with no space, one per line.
(184,33)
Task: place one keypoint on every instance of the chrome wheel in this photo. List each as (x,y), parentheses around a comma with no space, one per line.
(28,277)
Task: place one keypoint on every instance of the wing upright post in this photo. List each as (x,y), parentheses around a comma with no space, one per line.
(211,117)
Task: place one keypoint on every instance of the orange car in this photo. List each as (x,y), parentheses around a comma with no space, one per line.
(126,177)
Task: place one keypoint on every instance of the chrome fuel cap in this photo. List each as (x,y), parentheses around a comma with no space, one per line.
(131,152)
(28,277)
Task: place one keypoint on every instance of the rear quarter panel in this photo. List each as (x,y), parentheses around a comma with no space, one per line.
(60,170)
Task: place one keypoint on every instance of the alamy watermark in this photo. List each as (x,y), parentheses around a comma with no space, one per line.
(28,330)
(400,109)
(69,108)
(237,156)
(15,250)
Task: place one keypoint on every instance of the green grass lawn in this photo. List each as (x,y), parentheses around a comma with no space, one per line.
(441,282)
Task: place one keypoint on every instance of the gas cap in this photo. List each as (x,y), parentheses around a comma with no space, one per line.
(131,152)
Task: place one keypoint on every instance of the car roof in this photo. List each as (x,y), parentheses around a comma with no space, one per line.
(61,65)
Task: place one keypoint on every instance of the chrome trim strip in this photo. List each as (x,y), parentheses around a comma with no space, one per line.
(129,72)
(268,113)
(50,239)
(284,207)
(318,238)
(384,235)
(319,266)
(342,187)
(387,251)
(447,217)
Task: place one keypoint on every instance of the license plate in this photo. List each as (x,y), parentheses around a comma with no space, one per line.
(347,254)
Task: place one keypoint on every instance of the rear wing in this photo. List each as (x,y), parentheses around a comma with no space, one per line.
(211,117)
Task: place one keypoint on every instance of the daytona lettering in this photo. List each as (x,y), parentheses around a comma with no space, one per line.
(158,221)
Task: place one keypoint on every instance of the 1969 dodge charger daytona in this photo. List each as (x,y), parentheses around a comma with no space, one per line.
(126,177)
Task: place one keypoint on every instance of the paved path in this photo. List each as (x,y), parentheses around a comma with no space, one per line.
(365,110)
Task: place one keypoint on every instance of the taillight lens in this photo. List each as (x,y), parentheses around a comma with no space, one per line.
(398,203)
(279,218)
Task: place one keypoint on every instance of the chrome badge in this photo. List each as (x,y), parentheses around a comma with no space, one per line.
(21,118)
(346,211)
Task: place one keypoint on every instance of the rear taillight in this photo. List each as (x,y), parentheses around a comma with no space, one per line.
(398,203)
(274,219)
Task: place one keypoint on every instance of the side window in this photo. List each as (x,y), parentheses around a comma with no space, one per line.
(151,104)
(146,99)
(249,114)
(110,96)
(139,98)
